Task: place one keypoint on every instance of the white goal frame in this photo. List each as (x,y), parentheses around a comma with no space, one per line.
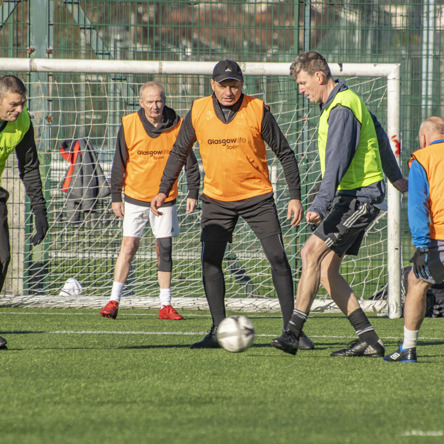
(390,71)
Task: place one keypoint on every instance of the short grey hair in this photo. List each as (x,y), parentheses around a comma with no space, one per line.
(11,84)
(433,125)
(310,62)
(151,85)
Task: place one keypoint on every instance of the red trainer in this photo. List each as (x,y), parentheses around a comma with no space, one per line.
(168,312)
(110,310)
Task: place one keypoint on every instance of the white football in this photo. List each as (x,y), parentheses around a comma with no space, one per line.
(235,333)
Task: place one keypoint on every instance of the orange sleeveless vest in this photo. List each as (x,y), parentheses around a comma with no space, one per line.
(233,154)
(431,158)
(147,158)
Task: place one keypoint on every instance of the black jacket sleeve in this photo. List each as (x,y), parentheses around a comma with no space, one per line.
(193,176)
(119,166)
(178,155)
(388,160)
(272,135)
(28,164)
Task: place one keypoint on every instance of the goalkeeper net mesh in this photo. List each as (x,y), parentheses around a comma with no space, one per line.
(83,240)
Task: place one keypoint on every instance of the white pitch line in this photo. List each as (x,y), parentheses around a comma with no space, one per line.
(188,333)
(252,316)
(422,433)
(175,333)
(156,333)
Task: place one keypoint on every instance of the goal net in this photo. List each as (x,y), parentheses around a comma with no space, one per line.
(75,100)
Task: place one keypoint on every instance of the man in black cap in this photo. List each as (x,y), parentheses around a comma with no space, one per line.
(232,129)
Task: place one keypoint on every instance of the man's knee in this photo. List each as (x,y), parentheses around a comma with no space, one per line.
(279,262)
(212,257)
(313,252)
(164,254)
(416,285)
(274,251)
(130,245)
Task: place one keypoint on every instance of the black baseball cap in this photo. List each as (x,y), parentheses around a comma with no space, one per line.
(226,70)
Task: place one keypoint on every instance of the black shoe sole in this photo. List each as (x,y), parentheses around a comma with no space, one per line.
(283,346)
(305,344)
(357,356)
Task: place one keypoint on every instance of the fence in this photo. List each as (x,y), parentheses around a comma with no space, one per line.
(404,33)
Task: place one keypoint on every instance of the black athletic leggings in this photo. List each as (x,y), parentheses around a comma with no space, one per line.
(5,254)
(214,282)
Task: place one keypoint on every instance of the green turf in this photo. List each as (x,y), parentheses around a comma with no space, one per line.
(70,377)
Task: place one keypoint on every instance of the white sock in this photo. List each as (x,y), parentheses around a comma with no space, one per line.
(116,292)
(165,296)
(410,338)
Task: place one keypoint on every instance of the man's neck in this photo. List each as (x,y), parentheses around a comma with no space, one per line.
(329,88)
(153,122)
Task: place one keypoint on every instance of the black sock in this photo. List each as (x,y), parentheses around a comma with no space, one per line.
(297,322)
(363,328)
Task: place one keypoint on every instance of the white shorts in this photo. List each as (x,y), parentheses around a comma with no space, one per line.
(136,217)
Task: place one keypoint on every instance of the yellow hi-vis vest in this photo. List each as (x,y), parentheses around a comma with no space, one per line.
(365,167)
(147,158)
(233,154)
(12,135)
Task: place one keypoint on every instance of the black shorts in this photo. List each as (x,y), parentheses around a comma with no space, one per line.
(436,262)
(344,225)
(219,218)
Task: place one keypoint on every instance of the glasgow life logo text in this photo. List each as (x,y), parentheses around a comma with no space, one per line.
(152,153)
(232,143)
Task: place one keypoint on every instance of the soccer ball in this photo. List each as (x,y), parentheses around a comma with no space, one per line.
(235,333)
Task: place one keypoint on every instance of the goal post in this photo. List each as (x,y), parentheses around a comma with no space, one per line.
(86,99)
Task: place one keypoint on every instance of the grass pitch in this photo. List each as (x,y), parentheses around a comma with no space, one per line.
(70,376)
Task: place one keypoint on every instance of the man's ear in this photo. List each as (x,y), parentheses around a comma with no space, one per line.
(422,140)
(320,77)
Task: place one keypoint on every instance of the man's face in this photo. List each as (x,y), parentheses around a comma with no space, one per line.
(11,106)
(227,92)
(311,85)
(151,101)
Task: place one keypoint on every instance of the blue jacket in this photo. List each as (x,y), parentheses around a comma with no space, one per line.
(418,206)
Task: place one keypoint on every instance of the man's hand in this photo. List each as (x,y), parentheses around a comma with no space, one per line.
(402,185)
(420,263)
(157,202)
(119,209)
(41,225)
(313,218)
(295,212)
(191,205)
